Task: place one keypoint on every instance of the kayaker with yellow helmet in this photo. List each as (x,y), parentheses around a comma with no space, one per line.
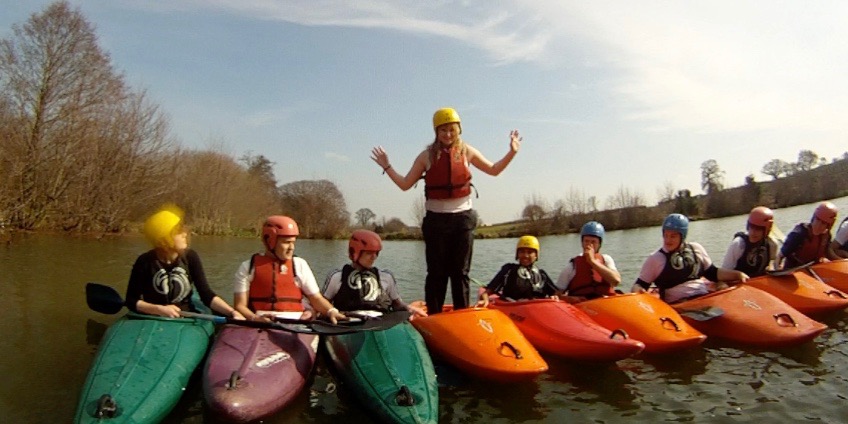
(521,280)
(810,242)
(591,274)
(359,285)
(449,223)
(277,282)
(163,279)
(754,251)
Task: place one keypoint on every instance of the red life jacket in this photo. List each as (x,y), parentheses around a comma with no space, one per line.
(588,282)
(449,176)
(812,248)
(271,289)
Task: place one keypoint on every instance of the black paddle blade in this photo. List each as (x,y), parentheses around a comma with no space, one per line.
(103,299)
(789,271)
(704,314)
(365,323)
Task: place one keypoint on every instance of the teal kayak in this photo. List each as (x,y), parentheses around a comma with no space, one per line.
(390,371)
(141,369)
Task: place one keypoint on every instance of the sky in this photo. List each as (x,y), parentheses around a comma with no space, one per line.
(607,95)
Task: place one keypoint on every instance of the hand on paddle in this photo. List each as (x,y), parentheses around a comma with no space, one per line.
(416,312)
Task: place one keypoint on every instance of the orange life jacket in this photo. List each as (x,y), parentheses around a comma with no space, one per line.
(449,176)
(273,287)
(588,282)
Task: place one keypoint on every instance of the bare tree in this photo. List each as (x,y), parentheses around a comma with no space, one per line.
(419,210)
(574,202)
(666,192)
(712,177)
(535,208)
(318,206)
(364,216)
(624,198)
(775,168)
(807,160)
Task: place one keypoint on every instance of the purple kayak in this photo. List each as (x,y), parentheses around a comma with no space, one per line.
(252,373)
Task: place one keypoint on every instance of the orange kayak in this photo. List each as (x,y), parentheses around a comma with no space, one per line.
(833,273)
(481,342)
(801,291)
(645,318)
(558,328)
(752,317)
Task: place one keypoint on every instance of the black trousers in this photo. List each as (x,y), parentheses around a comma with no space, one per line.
(449,243)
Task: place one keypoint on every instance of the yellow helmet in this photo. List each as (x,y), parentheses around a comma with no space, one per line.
(158,229)
(528,242)
(446,115)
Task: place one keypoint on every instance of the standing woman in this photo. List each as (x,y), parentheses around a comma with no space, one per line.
(163,279)
(449,224)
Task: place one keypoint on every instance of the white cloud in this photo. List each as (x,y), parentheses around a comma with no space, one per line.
(337,157)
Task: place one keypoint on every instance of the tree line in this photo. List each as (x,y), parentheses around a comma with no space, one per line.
(83,151)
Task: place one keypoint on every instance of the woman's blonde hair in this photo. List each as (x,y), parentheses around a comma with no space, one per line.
(435,148)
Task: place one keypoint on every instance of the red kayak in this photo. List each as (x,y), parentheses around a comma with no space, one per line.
(801,291)
(558,328)
(833,273)
(252,373)
(481,342)
(750,316)
(645,318)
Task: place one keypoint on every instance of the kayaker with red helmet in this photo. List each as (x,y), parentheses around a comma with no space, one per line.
(681,270)
(521,280)
(840,240)
(277,282)
(591,274)
(163,279)
(359,285)
(449,223)
(754,251)
(810,242)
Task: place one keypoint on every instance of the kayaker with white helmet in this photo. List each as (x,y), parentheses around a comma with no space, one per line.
(754,251)
(359,285)
(591,274)
(521,280)
(449,223)
(278,282)
(681,270)
(163,279)
(810,242)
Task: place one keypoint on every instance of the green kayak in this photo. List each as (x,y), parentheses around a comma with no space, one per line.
(390,371)
(141,369)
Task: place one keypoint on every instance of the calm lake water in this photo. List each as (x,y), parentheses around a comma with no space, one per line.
(48,338)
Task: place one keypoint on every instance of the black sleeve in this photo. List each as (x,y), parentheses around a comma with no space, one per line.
(711,273)
(135,287)
(549,288)
(498,282)
(645,285)
(198,277)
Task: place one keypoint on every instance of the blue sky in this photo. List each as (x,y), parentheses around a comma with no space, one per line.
(607,94)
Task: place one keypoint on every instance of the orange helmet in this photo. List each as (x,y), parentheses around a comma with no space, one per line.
(826,212)
(278,226)
(363,240)
(761,216)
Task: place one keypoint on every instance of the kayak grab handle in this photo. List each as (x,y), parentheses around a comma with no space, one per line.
(515,351)
(835,293)
(665,320)
(404,397)
(234,378)
(785,320)
(619,332)
(106,407)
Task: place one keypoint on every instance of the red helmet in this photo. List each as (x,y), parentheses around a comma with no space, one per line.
(826,212)
(278,226)
(761,216)
(363,240)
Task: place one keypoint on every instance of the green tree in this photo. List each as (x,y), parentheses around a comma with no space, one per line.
(775,168)
(712,177)
(807,160)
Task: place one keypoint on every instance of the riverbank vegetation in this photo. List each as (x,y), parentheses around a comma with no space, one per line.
(84,152)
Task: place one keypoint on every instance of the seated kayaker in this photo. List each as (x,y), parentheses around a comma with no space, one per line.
(276,283)
(810,242)
(753,252)
(163,279)
(840,241)
(522,280)
(591,274)
(682,270)
(359,285)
